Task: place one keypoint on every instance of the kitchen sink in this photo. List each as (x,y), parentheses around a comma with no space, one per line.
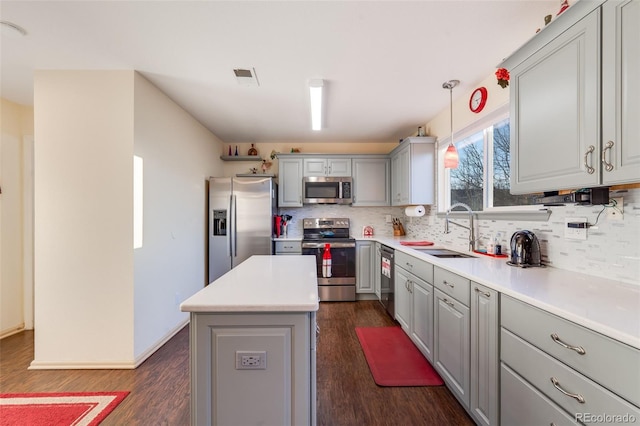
(442,253)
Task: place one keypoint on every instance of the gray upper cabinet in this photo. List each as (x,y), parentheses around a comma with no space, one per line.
(559,97)
(290,182)
(370,181)
(339,167)
(621,91)
(412,172)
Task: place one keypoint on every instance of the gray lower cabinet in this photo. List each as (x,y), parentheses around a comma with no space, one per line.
(581,372)
(485,357)
(402,296)
(288,247)
(280,391)
(523,405)
(422,316)
(451,347)
(414,301)
(365,258)
(377,267)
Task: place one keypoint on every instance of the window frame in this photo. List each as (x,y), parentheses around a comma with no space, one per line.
(484,125)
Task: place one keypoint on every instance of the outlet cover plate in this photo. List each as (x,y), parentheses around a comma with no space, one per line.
(575,233)
(251,360)
(617,211)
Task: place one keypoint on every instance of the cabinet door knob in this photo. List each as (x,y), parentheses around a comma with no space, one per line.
(590,169)
(578,349)
(576,396)
(608,166)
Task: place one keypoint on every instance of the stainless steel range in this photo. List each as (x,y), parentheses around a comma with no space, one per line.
(341,285)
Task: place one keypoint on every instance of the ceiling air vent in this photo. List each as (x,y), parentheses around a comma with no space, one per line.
(246,77)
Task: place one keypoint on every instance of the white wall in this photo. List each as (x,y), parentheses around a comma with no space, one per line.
(179,155)
(97,303)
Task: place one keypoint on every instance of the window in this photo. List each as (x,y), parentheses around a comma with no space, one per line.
(482,178)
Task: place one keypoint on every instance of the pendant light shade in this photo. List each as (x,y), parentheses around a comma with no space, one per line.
(451,155)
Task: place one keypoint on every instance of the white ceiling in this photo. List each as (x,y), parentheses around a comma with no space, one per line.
(383,62)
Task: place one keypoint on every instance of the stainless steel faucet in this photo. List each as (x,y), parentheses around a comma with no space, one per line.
(472,238)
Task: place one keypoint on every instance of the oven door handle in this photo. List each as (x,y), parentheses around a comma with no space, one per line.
(333,245)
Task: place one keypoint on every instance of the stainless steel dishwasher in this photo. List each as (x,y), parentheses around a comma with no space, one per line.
(386,279)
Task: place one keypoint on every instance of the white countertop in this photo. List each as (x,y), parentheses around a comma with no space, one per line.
(607,306)
(261,284)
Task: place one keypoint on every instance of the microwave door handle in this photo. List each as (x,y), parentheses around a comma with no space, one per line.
(340,190)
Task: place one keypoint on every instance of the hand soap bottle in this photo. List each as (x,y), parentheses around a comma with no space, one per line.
(491,245)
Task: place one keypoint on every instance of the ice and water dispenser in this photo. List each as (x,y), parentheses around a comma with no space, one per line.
(219,222)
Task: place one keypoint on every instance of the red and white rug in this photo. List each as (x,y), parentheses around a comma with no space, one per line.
(57,409)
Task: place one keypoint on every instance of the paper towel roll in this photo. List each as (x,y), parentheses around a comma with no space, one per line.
(414,211)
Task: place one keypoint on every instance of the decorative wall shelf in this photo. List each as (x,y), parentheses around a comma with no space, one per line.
(240,158)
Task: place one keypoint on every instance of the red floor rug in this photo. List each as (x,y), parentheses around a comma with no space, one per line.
(57,409)
(393,358)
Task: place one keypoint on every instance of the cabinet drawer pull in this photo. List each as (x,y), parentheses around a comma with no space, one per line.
(608,166)
(590,169)
(578,349)
(576,396)
(409,265)
(446,283)
(485,293)
(448,303)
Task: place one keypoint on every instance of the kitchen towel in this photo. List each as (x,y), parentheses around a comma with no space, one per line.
(414,211)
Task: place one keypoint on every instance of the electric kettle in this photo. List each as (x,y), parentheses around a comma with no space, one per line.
(525,250)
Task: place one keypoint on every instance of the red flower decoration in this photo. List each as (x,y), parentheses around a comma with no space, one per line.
(503,77)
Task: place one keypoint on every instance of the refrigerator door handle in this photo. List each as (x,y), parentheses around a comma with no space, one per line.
(234,229)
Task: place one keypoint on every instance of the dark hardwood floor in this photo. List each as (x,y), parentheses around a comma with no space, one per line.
(347,394)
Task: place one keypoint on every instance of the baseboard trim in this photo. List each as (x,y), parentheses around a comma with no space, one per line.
(13,330)
(146,354)
(43,365)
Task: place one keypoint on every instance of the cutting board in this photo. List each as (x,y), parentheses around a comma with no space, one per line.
(416,243)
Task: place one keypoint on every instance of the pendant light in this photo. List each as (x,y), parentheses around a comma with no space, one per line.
(451,155)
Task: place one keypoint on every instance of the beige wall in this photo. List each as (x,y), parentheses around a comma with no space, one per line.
(16,127)
(232,168)
(83,221)
(179,155)
(462,116)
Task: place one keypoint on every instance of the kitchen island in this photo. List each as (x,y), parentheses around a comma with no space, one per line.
(253,344)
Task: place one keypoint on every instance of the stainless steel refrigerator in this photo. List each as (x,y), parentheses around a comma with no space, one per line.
(241,211)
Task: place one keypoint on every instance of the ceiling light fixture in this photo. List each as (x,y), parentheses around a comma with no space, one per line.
(315,94)
(12,30)
(451,155)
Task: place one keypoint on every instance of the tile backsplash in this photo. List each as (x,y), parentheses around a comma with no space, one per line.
(612,249)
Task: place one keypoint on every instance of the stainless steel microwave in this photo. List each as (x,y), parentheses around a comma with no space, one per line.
(326,190)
